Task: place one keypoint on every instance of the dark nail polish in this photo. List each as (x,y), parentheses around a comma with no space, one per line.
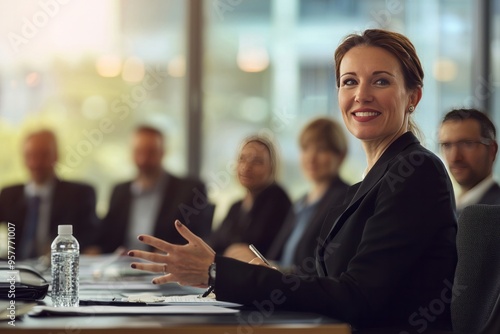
(130,253)
(154,282)
(140,238)
(133,266)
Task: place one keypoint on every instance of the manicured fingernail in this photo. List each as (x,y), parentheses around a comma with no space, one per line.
(130,253)
(133,266)
(154,282)
(178,223)
(140,237)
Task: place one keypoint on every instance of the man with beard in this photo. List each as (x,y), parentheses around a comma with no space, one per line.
(467,138)
(153,200)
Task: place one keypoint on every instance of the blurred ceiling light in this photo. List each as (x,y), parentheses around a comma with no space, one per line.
(33,79)
(177,67)
(94,107)
(133,70)
(252,54)
(445,70)
(108,66)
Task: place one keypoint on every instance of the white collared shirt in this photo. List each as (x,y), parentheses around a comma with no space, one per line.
(475,194)
(45,192)
(145,206)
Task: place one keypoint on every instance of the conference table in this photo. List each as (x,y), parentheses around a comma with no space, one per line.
(117,280)
(280,322)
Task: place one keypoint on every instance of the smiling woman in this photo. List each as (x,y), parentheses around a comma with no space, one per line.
(389,249)
(372,96)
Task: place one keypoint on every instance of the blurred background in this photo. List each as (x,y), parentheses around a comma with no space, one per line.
(210,72)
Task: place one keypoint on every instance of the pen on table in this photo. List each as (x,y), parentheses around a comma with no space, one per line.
(112,302)
(258,254)
(207,292)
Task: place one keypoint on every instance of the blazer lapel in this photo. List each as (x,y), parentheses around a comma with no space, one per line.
(360,190)
(55,204)
(373,177)
(167,204)
(20,206)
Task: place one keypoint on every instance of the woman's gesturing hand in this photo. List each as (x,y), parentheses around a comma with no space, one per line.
(186,264)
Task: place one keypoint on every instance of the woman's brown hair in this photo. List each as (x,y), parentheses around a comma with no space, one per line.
(326,131)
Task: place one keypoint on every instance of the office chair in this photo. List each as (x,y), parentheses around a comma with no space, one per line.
(475,308)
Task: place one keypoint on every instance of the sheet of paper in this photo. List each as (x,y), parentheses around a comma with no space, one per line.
(121,310)
(179,300)
(119,285)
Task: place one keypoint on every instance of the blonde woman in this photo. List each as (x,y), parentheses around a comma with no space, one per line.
(256,218)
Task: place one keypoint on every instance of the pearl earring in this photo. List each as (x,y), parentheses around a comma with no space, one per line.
(411,109)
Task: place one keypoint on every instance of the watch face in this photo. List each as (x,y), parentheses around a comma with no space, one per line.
(212,271)
(211,275)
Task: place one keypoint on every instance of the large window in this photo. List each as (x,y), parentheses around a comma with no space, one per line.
(91,70)
(95,69)
(269,69)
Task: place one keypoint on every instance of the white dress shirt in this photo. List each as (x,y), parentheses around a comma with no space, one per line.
(475,194)
(144,211)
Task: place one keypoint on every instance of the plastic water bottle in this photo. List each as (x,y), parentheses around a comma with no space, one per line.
(65,254)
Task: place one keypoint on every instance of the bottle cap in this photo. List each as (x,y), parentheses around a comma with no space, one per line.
(65,229)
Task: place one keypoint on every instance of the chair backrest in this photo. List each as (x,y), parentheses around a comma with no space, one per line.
(476,304)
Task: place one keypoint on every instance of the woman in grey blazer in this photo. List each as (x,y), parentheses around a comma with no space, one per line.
(387,258)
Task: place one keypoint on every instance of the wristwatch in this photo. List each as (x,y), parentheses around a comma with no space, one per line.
(211,274)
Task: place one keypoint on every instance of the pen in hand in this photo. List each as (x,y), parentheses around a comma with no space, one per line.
(258,254)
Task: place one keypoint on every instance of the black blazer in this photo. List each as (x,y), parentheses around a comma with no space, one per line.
(259,226)
(72,203)
(304,254)
(387,255)
(183,199)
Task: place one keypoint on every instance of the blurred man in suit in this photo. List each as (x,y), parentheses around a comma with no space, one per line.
(45,201)
(468,142)
(151,202)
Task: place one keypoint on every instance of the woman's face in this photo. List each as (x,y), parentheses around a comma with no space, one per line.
(254,166)
(372,94)
(318,162)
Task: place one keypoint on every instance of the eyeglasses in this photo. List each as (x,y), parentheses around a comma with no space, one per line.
(463,145)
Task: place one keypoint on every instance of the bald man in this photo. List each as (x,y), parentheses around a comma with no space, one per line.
(44,202)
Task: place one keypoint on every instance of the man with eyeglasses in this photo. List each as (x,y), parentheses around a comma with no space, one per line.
(467,139)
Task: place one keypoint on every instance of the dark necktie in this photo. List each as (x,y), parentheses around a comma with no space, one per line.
(28,246)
